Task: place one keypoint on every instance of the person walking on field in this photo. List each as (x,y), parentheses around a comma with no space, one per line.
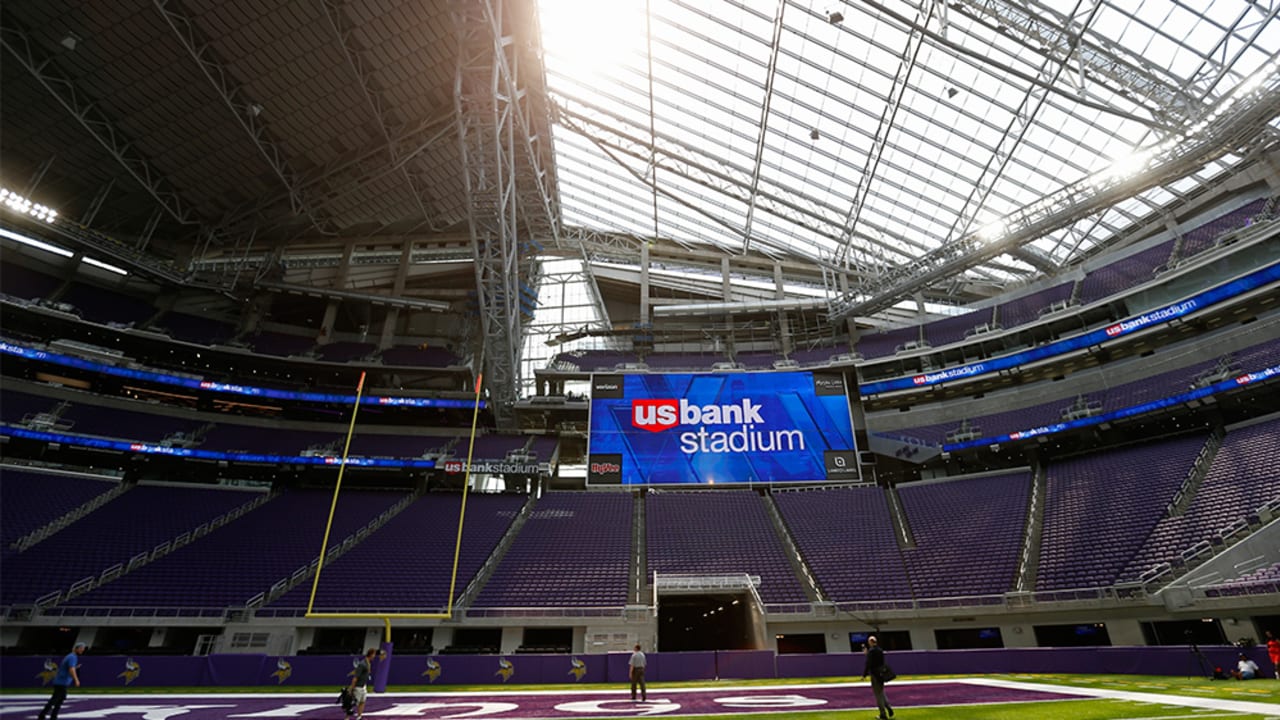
(360,681)
(1273,652)
(875,668)
(637,664)
(68,674)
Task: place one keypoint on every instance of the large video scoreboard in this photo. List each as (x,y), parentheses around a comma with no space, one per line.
(713,428)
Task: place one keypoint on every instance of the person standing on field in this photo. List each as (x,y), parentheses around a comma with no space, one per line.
(637,664)
(68,674)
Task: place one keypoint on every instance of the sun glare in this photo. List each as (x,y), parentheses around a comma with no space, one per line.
(589,38)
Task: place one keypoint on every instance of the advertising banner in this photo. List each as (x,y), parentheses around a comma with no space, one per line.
(720,428)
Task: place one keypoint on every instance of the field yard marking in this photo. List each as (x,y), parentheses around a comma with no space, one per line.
(1239,706)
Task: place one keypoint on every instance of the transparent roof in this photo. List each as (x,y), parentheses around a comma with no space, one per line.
(865,134)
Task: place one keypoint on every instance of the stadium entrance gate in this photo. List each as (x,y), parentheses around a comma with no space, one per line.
(708,612)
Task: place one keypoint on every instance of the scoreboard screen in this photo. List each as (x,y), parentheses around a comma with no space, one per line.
(713,428)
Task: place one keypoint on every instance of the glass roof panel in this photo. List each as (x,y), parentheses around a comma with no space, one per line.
(887,129)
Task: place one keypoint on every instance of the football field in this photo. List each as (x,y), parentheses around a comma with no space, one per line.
(1084,697)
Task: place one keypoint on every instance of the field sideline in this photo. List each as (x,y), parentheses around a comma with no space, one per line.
(1052,697)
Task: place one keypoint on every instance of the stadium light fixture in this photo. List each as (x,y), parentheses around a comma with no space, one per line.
(105,266)
(32,242)
(19,204)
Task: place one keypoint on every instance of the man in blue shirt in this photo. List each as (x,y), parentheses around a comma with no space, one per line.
(67,674)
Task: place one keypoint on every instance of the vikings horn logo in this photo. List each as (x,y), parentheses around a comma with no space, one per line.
(433,670)
(505,669)
(579,668)
(46,675)
(131,671)
(283,671)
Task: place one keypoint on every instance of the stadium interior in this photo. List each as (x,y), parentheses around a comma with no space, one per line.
(334,290)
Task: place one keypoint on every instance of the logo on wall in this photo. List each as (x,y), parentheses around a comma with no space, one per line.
(131,671)
(505,669)
(578,670)
(50,670)
(283,671)
(432,673)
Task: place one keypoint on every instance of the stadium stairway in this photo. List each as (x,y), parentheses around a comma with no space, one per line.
(70,517)
(639,587)
(486,571)
(798,565)
(334,551)
(1029,563)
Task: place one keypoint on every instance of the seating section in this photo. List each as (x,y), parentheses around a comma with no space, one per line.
(1100,509)
(279,344)
(1026,309)
(1124,273)
(574,550)
(30,499)
(1241,478)
(1130,394)
(345,351)
(419,356)
(407,564)
(876,345)
(1203,237)
(592,360)
(396,446)
(250,439)
(134,522)
(103,306)
(196,328)
(719,533)
(215,571)
(847,539)
(953,329)
(544,447)
(684,361)
(491,447)
(968,534)
(26,284)
(17,407)
(1260,581)
(757,360)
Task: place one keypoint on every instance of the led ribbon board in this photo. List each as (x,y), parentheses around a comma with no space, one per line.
(1159,316)
(720,428)
(146,448)
(190,383)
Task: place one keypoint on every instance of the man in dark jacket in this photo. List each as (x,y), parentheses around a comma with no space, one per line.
(875,668)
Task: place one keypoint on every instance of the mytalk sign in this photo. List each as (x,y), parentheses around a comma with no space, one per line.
(720,428)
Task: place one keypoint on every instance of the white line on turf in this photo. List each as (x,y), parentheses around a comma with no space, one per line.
(1239,706)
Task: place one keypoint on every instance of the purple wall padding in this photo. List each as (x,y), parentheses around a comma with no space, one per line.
(745,664)
(271,670)
(382,668)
